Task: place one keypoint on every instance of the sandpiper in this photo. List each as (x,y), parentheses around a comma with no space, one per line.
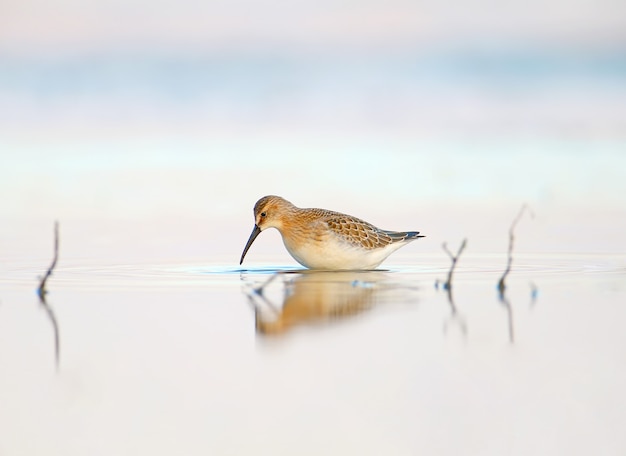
(322,239)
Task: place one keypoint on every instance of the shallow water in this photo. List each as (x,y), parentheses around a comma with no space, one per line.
(193,357)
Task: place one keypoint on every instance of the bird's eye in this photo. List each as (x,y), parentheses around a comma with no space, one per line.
(263,214)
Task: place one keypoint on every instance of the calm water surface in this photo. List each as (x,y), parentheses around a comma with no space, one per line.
(198,357)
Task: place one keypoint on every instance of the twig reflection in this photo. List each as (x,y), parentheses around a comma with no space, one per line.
(501,282)
(509,313)
(311,297)
(447,285)
(42,292)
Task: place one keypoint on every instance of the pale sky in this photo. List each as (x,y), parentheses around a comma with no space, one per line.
(67,26)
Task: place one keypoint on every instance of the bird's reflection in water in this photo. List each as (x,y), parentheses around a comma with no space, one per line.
(311,297)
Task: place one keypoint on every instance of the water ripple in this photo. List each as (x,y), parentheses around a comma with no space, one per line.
(93,274)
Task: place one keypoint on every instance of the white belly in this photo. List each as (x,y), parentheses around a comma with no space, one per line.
(338,255)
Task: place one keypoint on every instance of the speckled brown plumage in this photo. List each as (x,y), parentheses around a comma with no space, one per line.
(319,238)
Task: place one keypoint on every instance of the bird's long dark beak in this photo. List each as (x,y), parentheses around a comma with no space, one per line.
(255,232)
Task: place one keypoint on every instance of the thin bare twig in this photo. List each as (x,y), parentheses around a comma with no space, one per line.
(448,283)
(42,285)
(41,292)
(501,282)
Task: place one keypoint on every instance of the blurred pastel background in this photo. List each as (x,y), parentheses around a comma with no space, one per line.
(191,111)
